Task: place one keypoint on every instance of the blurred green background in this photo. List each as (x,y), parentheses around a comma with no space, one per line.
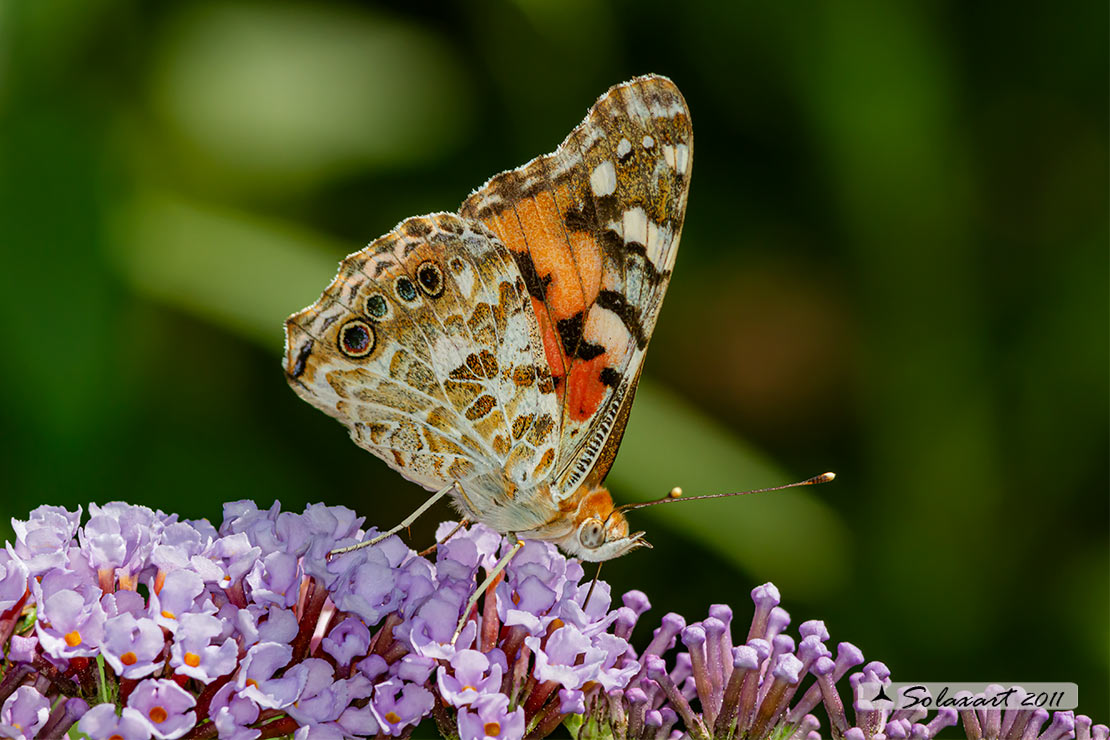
(894,266)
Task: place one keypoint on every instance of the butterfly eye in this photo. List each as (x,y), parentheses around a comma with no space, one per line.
(406,291)
(356,339)
(376,306)
(592,534)
(431,278)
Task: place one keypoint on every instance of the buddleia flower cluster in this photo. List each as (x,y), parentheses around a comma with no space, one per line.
(138,625)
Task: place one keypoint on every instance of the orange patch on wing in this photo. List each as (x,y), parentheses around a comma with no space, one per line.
(507,227)
(585,391)
(584,248)
(570,264)
(547,243)
(552,349)
(587,254)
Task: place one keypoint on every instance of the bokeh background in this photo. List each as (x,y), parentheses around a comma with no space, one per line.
(894,266)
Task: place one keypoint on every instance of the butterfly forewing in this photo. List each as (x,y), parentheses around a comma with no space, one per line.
(594,228)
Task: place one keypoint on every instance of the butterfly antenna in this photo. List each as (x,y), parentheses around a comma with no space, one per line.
(675,494)
(593,583)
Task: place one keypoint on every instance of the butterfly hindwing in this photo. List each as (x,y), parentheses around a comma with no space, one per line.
(422,346)
(594,228)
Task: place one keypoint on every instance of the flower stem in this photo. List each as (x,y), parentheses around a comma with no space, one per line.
(278,728)
(314,604)
(103,688)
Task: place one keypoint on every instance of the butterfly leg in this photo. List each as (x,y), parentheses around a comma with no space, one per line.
(462,523)
(406,522)
(490,578)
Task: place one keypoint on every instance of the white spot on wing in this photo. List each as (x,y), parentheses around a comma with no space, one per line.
(648,142)
(624,147)
(603,181)
(605,328)
(635,226)
(659,237)
(464,279)
(668,155)
(681,158)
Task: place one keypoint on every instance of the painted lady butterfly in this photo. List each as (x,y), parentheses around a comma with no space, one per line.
(495,352)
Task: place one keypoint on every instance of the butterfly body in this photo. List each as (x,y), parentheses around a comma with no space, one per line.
(498,349)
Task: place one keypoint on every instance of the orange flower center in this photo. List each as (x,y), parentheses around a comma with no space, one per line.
(492,729)
(157,715)
(192,660)
(168,614)
(116,737)
(392,718)
(128,658)
(73,639)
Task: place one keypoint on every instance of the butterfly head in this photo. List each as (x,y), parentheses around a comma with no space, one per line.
(600,532)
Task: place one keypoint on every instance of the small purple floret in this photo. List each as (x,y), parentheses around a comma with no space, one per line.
(164,706)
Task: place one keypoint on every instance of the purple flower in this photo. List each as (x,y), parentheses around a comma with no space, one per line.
(228,559)
(414,668)
(480,548)
(272,530)
(24,712)
(398,704)
(433,625)
(133,647)
(324,731)
(22,649)
(192,653)
(358,718)
(322,699)
(275,579)
(43,541)
(366,582)
(120,602)
(534,585)
(488,718)
(347,641)
(472,675)
(256,680)
(233,714)
(13,580)
(102,723)
(326,526)
(181,592)
(117,540)
(71,619)
(178,544)
(164,706)
(348,647)
(572,701)
(615,670)
(280,625)
(558,659)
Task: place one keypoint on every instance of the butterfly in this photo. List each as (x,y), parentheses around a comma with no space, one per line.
(494,353)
